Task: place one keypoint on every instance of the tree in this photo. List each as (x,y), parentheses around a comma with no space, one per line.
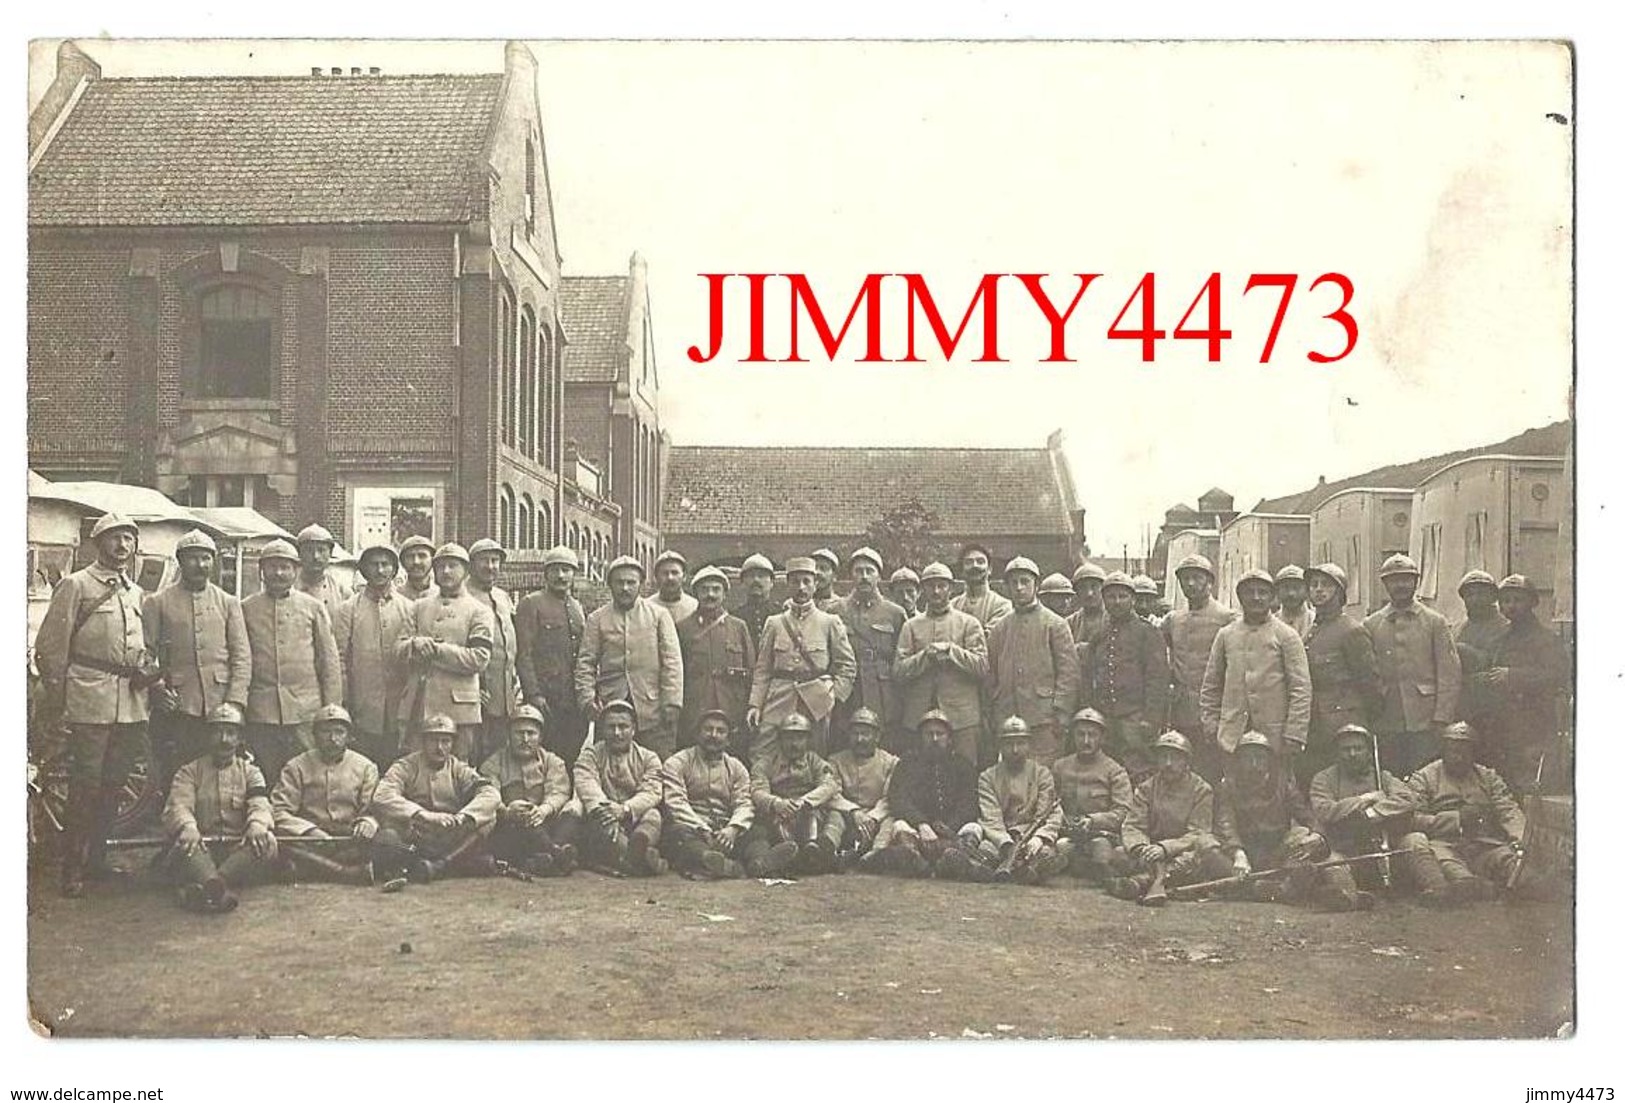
(904,535)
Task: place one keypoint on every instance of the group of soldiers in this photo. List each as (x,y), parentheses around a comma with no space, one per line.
(427,725)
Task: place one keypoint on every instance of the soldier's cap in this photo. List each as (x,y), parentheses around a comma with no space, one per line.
(226,712)
(1118,578)
(671,555)
(1291,570)
(1398,564)
(869,554)
(1056,583)
(560,556)
(1174,740)
(1195,563)
(1014,728)
(621,563)
(800,564)
(865,716)
(1475,578)
(379,549)
(936,570)
(1354,731)
(1255,575)
(1087,570)
(756,561)
(315,534)
(934,716)
(828,557)
(1021,563)
(1253,739)
(1516,582)
(1144,584)
(417,540)
(451,551)
(720,714)
(529,713)
(437,724)
(279,549)
(904,574)
(332,714)
(1089,716)
(196,540)
(709,574)
(1330,571)
(1460,731)
(796,722)
(620,704)
(486,544)
(110,522)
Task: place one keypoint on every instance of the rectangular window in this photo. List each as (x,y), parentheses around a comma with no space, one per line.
(235,348)
(1476,524)
(1429,587)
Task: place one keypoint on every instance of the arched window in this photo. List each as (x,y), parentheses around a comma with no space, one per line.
(575,538)
(544,526)
(527,514)
(527,382)
(236,343)
(505,515)
(505,339)
(544,387)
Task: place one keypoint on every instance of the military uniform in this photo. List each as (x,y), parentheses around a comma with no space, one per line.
(368,632)
(1257,679)
(1177,815)
(499,681)
(1095,798)
(1421,682)
(1125,676)
(719,661)
(1471,822)
(632,779)
(1269,819)
(1343,683)
(931,798)
(200,642)
(1526,716)
(1476,639)
(1086,624)
(412,786)
(702,797)
(548,631)
(543,781)
(754,614)
(446,683)
(216,800)
(809,778)
(412,592)
(953,685)
(1010,801)
(680,609)
(989,607)
(1034,667)
(1352,825)
(331,797)
(633,656)
(1189,634)
(873,628)
(296,670)
(864,782)
(327,590)
(786,681)
(1300,622)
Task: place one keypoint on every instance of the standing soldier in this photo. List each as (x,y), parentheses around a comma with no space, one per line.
(368,630)
(1292,590)
(446,650)
(92,656)
(1147,600)
(1125,677)
(1257,677)
(540,817)
(499,681)
(670,567)
(757,576)
(1020,825)
(619,784)
(196,634)
(629,652)
(941,664)
(1088,617)
(932,796)
(905,590)
(979,599)
(828,564)
(1528,674)
(707,801)
(872,626)
(1419,668)
(718,660)
(804,665)
(296,668)
(865,772)
(1033,664)
(315,579)
(1189,633)
(1342,670)
(1095,794)
(1169,829)
(326,793)
(417,568)
(548,626)
(1055,594)
(1476,638)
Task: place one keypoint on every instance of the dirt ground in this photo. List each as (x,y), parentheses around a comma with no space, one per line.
(836,957)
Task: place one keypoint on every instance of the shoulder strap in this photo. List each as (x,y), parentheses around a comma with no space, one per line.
(795,637)
(83,614)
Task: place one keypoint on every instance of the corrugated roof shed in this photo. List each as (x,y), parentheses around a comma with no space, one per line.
(842,490)
(267,151)
(595,312)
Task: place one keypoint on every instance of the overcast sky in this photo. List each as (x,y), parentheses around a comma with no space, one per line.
(1432,175)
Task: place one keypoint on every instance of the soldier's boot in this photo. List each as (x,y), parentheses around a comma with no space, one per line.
(775,860)
(817,858)
(564,859)
(217,897)
(422,871)
(1470,890)
(1130,886)
(903,860)
(1156,894)
(1425,872)
(644,857)
(719,867)
(540,864)
(961,864)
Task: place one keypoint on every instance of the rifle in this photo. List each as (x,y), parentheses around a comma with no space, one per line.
(1385,870)
(1006,866)
(1522,849)
(220,840)
(1201,887)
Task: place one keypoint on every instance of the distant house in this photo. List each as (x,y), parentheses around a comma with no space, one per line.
(1213,511)
(722,504)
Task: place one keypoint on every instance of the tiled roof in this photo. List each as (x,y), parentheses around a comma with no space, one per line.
(595,319)
(1549,440)
(839,491)
(266,151)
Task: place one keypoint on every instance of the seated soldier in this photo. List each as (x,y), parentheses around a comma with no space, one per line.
(326,793)
(1357,814)
(218,817)
(707,801)
(537,824)
(1474,826)
(435,812)
(932,795)
(1169,829)
(1095,795)
(618,783)
(792,789)
(1018,835)
(865,772)
(1263,822)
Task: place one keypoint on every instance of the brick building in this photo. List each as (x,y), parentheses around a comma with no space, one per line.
(332,297)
